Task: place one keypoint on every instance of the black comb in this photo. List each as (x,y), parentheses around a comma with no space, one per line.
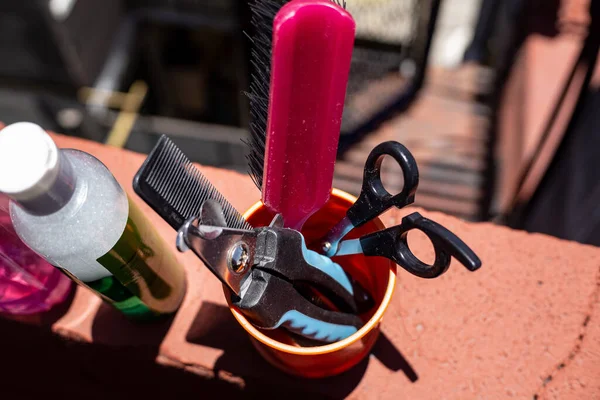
(174,188)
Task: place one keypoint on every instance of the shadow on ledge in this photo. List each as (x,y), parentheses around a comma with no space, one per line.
(40,364)
(112,327)
(215,327)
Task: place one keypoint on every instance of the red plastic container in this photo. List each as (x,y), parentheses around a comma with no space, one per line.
(377,275)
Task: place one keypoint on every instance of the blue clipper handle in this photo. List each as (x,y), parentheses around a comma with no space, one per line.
(285,253)
(314,329)
(270,302)
(362,298)
(327,266)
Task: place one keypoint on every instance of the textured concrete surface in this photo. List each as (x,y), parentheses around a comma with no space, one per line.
(524,326)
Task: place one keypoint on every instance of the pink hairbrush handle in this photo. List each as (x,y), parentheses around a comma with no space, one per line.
(312,50)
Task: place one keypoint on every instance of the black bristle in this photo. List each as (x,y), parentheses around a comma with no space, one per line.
(176,189)
(263,15)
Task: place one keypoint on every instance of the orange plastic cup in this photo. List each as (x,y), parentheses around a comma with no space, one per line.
(377,275)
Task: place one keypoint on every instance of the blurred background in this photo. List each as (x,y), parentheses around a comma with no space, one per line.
(498,100)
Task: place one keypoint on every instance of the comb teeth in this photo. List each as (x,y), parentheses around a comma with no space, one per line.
(176,189)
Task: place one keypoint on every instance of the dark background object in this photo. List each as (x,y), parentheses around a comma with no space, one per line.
(48,54)
(567,204)
(39,47)
(193,55)
(376,60)
(558,187)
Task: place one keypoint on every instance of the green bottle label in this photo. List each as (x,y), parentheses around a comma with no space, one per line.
(142,263)
(147,280)
(111,291)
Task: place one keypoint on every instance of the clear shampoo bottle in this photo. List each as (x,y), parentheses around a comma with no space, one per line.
(68,207)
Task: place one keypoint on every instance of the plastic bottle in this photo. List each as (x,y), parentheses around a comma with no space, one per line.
(68,207)
(28,284)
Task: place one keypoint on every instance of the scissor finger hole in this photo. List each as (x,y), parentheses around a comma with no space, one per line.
(421,247)
(391,175)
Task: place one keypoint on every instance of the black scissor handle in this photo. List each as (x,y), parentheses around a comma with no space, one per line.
(392,243)
(374,199)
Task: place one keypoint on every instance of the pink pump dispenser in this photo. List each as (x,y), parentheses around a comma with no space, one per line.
(312,50)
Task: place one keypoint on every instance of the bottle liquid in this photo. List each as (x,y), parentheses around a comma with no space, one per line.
(68,207)
(28,284)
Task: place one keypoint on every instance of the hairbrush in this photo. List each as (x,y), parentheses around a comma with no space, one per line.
(304,52)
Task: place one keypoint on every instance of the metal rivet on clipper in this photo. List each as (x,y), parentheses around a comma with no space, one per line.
(239,257)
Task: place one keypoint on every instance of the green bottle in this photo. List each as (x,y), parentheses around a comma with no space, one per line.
(68,207)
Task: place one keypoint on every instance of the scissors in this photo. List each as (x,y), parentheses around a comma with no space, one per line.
(262,268)
(392,243)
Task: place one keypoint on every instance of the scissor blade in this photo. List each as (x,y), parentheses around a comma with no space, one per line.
(348,247)
(228,253)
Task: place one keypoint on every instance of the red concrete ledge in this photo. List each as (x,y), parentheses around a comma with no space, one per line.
(525,325)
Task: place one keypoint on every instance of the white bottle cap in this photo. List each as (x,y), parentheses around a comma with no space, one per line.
(28,161)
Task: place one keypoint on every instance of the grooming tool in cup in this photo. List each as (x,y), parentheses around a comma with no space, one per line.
(392,243)
(312,43)
(261,268)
